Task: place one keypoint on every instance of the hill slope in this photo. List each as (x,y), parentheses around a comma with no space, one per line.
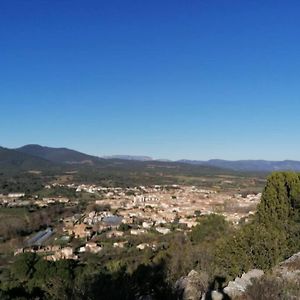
(58,155)
(12,160)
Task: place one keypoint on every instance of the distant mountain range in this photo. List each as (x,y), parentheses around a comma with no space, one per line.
(249,165)
(40,157)
(129,157)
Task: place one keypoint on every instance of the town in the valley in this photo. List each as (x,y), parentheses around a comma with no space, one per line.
(115,217)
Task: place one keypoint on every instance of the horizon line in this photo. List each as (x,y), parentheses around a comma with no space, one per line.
(153,158)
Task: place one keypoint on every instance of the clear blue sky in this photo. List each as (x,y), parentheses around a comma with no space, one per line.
(170,79)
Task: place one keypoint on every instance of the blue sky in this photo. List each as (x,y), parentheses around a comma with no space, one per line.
(170,79)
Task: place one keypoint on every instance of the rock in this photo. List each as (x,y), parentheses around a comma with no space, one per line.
(289,269)
(191,287)
(145,297)
(215,295)
(239,285)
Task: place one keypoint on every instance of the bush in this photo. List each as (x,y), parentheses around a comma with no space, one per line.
(270,287)
(210,228)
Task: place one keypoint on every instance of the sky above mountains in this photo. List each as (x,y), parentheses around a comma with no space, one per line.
(168,79)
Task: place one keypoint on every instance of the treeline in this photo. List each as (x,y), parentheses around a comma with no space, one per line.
(23,182)
(31,277)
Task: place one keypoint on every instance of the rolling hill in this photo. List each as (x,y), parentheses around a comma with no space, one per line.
(58,155)
(14,161)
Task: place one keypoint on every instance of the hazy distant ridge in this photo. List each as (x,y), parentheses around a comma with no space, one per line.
(129,157)
(248,165)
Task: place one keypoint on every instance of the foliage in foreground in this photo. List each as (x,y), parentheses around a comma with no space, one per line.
(274,233)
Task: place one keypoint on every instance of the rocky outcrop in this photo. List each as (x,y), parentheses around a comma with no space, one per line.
(192,286)
(215,295)
(145,297)
(251,285)
(195,286)
(239,285)
(289,269)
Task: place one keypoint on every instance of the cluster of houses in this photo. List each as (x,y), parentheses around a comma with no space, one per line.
(157,209)
(13,200)
(19,200)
